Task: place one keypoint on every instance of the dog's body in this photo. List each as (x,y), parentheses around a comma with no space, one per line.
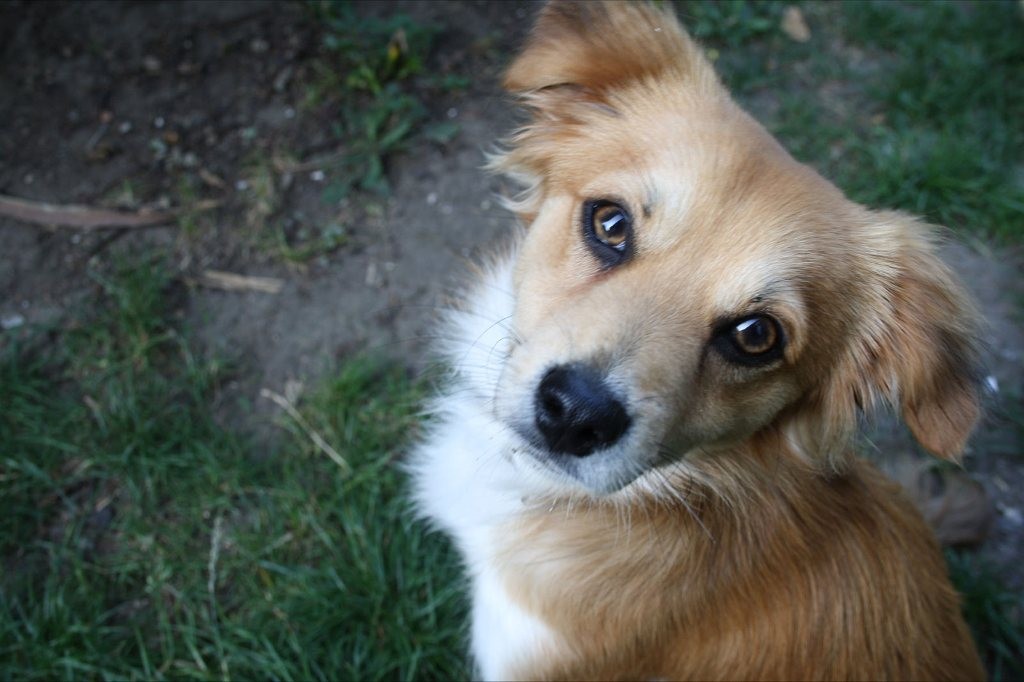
(644,454)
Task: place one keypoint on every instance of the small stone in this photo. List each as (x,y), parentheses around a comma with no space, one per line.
(12,321)
(373,276)
(794,25)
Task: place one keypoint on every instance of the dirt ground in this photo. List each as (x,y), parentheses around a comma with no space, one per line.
(126,104)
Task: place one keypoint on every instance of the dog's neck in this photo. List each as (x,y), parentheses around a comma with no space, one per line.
(710,559)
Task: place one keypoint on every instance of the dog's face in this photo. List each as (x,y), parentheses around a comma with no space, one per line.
(684,284)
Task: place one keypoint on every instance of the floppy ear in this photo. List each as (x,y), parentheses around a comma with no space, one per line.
(932,352)
(914,346)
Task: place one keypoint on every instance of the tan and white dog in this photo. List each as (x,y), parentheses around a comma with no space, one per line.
(644,455)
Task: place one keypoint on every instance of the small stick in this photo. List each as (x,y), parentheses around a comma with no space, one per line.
(89,217)
(312,164)
(229,281)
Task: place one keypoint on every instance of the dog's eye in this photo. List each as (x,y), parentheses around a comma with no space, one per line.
(608,228)
(611,225)
(752,340)
(755,335)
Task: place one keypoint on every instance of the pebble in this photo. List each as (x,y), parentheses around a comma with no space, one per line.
(12,321)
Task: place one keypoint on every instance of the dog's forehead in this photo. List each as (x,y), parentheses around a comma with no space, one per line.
(737,211)
(715,171)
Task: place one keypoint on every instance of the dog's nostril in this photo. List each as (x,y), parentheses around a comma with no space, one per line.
(587,437)
(551,405)
(576,412)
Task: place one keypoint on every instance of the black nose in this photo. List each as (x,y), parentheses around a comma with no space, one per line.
(576,412)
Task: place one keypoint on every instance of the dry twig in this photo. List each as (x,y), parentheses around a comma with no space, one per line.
(229,281)
(90,217)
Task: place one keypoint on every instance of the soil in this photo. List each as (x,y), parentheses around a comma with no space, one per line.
(126,104)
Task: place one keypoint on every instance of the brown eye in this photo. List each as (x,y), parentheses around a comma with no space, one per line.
(754,340)
(608,229)
(611,226)
(756,335)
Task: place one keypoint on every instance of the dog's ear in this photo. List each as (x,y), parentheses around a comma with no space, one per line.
(933,352)
(913,345)
(576,66)
(594,47)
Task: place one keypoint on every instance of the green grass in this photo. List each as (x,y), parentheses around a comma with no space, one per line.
(376,68)
(142,540)
(994,613)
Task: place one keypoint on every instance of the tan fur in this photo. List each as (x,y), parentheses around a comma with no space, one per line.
(812,578)
(765,550)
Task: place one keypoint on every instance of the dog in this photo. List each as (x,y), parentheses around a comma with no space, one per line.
(644,453)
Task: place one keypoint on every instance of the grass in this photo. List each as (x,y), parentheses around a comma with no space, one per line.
(376,67)
(994,613)
(142,540)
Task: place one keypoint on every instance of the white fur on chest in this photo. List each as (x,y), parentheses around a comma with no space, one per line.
(467,486)
(467,478)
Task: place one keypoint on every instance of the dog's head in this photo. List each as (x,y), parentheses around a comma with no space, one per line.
(685,287)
